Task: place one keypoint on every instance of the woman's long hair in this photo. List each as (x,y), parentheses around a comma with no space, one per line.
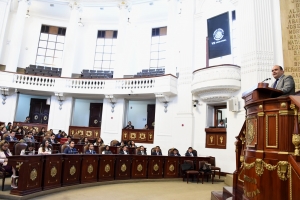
(44,145)
(2,143)
(29,144)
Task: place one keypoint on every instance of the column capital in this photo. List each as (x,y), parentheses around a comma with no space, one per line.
(25,1)
(74,5)
(124,4)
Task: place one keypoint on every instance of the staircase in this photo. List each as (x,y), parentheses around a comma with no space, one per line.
(226,194)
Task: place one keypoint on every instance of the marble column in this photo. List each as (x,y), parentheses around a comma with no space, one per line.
(71,40)
(4,13)
(16,37)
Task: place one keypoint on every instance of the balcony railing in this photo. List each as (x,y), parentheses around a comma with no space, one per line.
(166,84)
(217,83)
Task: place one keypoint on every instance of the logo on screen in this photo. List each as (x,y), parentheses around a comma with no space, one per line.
(218,34)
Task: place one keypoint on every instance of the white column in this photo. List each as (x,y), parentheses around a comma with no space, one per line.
(122,47)
(174,9)
(16,37)
(4,12)
(71,40)
(256,41)
(8,110)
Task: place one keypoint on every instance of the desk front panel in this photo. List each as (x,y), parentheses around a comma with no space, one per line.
(89,168)
(106,170)
(155,166)
(71,169)
(139,166)
(52,171)
(171,167)
(123,166)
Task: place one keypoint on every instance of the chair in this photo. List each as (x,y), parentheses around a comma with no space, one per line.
(212,161)
(85,148)
(19,146)
(190,171)
(3,174)
(101,149)
(170,151)
(114,143)
(5,135)
(205,173)
(62,147)
(153,149)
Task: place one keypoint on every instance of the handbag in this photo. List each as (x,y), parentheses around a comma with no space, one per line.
(186,166)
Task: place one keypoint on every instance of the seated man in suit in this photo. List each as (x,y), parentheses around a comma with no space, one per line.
(175,153)
(124,150)
(52,139)
(27,120)
(70,149)
(142,151)
(190,152)
(11,137)
(106,150)
(91,149)
(29,138)
(284,83)
(157,152)
(129,126)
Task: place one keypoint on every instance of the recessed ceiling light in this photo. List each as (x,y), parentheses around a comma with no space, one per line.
(151,3)
(52,5)
(101,8)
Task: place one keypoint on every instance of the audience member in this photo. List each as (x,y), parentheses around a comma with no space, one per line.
(70,149)
(42,132)
(9,126)
(190,152)
(124,150)
(129,126)
(132,144)
(4,130)
(11,137)
(142,151)
(175,153)
(52,139)
(27,120)
(84,140)
(4,153)
(146,126)
(19,131)
(29,149)
(91,149)
(106,150)
(45,148)
(29,138)
(99,142)
(156,152)
(221,124)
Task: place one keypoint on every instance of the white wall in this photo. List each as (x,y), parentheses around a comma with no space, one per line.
(8,109)
(81,111)
(137,113)
(23,106)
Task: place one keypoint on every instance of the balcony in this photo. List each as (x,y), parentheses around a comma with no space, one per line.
(216,83)
(166,84)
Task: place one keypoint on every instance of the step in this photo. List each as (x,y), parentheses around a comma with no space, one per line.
(227,192)
(229,180)
(216,195)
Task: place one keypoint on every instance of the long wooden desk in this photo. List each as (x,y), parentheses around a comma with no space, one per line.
(44,172)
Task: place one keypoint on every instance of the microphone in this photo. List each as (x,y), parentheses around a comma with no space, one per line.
(267,79)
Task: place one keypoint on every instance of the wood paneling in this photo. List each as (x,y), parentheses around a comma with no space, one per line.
(106,170)
(89,168)
(123,166)
(52,172)
(80,132)
(29,126)
(71,169)
(138,135)
(216,138)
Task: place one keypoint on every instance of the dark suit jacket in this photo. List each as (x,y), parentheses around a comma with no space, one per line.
(140,153)
(126,127)
(153,153)
(68,150)
(286,84)
(107,152)
(174,154)
(188,154)
(88,152)
(52,142)
(122,152)
(13,139)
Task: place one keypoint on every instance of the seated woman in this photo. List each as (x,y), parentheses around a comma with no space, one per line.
(4,154)
(146,127)
(19,131)
(99,142)
(106,150)
(124,150)
(42,132)
(190,152)
(29,149)
(175,153)
(44,149)
(84,141)
(132,144)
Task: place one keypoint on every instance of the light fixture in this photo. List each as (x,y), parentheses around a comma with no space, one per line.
(219,1)
(60,98)
(4,93)
(195,102)
(27,14)
(80,23)
(112,100)
(163,99)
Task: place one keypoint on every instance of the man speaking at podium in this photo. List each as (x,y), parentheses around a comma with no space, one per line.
(284,83)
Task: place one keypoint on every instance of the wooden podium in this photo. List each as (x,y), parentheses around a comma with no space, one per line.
(264,146)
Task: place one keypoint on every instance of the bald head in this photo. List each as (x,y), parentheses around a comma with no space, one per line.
(277,71)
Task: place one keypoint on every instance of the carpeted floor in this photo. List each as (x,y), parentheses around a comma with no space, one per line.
(169,190)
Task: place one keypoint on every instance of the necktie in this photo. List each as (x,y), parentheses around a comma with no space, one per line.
(275,84)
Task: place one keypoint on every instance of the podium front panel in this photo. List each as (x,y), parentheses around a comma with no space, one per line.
(106,169)
(30,172)
(171,167)
(123,165)
(155,166)
(71,169)
(52,171)
(139,167)
(89,168)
